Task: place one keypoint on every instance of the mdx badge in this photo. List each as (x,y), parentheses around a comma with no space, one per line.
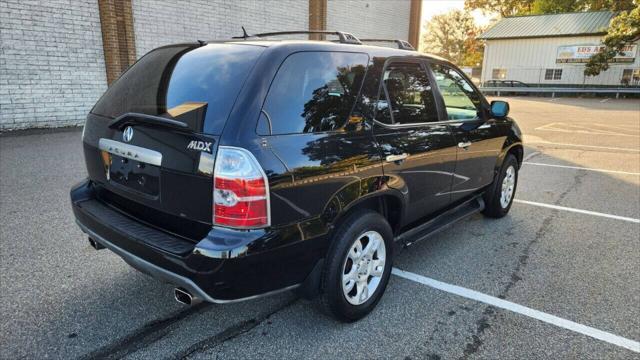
(199,145)
(127,134)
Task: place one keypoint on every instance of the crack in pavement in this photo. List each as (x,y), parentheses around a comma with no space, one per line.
(144,336)
(516,275)
(227,334)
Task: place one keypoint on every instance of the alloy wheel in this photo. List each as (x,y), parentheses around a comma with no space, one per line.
(508,186)
(363,267)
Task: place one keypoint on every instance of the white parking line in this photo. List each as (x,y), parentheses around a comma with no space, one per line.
(580,211)
(583,146)
(619,127)
(523,310)
(581,168)
(579,129)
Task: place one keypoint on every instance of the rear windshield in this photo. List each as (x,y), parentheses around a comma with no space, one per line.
(194,84)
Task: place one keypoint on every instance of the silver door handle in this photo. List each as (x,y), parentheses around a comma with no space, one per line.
(464,145)
(394,158)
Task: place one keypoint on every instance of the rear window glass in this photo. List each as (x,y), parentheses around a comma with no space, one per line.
(194,84)
(314,91)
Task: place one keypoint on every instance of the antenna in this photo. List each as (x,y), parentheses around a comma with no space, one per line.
(245,35)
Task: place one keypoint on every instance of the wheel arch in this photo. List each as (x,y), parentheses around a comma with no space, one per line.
(389,203)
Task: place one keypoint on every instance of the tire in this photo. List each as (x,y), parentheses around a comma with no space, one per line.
(367,228)
(497,205)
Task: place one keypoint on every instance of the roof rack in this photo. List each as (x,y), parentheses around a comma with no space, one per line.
(404,45)
(344,37)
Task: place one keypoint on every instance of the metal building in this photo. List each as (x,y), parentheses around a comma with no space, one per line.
(551,50)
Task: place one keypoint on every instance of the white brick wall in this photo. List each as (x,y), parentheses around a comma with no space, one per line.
(51,62)
(161,22)
(370,18)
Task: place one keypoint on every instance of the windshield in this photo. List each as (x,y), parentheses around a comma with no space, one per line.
(191,83)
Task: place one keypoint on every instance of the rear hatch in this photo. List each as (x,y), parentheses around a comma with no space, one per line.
(150,141)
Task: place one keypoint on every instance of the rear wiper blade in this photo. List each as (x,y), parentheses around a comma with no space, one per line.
(138,118)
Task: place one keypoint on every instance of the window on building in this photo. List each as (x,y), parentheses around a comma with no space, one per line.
(460,99)
(553,74)
(409,94)
(630,76)
(313,92)
(557,74)
(499,74)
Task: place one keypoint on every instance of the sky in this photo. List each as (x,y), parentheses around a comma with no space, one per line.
(435,7)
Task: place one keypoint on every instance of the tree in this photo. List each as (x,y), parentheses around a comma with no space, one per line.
(473,48)
(525,7)
(613,5)
(560,6)
(555,6)
(623,30)
(452,35)
(502,7)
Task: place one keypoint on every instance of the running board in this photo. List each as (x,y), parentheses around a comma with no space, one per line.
(441,222)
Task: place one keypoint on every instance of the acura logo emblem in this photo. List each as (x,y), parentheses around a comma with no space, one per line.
(127,135)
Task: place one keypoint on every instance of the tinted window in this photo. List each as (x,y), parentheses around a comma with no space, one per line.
(409,97)
(314,91)
(461,101)
(188,83)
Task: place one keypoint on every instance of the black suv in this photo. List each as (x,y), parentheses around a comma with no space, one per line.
(235,169)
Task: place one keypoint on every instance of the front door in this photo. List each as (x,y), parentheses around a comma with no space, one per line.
(479,138)
(418,151)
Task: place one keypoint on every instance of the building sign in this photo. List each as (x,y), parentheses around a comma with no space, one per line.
(581,54)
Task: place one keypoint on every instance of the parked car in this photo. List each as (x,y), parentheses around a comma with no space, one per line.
(236,169)
(504,83)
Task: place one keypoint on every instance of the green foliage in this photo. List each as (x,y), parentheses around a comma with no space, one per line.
(613,5)
(452,35)
(560,6)
(623,30)
(502,7)
(525,7)
(554,6)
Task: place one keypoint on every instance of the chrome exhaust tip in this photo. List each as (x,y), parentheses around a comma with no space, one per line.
(96,245)
(183,296)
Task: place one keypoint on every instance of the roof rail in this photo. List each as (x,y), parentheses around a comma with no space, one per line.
(404,45)
(344,37)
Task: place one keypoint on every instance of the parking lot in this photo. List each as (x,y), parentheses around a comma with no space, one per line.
(559,277)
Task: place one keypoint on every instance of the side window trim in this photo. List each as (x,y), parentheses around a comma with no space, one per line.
(442,109)
(440,100)
(387,99)
(383,89)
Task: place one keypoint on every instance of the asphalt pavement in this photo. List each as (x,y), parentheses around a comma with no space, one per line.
(569,249)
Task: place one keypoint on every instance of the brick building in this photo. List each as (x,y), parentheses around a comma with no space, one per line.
(57,57)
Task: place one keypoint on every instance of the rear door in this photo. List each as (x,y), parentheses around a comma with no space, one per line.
(418,150)
(479,138)
(317,157)
(150,141)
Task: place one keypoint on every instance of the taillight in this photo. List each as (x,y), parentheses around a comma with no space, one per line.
(240,190)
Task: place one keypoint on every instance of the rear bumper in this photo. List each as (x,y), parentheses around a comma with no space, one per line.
(225,266)
(162,273)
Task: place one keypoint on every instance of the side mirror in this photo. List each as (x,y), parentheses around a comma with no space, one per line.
(499,109)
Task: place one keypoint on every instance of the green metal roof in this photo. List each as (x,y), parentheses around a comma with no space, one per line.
(567,24)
